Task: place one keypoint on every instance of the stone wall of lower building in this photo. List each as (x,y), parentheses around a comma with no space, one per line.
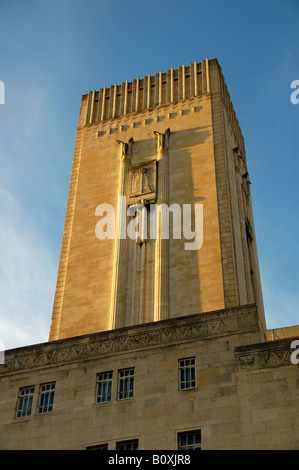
(268,394)
(222,405)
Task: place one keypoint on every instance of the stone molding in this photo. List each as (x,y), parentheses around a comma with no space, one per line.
(264,355)
(143,182)
(174,331)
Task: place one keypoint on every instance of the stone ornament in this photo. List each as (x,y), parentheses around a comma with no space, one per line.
(143,183)
(97,345)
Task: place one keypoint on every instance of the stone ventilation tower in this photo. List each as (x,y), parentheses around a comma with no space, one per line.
(158,337)
(170,140)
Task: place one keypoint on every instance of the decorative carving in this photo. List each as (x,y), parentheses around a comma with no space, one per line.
(107,346)
(199,329)
(248,322)
(152,338)
(274,358)
(125,148)
(264,355)
(216,327)
(162,139)
(112,342)
(122,343)
(246,362)
(167,335)
(137,341)
(142,183)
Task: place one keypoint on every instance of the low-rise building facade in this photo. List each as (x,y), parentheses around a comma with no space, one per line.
(210,380)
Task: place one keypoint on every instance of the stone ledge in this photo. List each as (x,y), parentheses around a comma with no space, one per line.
(203,326)
(264,355)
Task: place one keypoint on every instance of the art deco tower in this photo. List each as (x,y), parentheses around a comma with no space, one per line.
(172,139)
(158,338)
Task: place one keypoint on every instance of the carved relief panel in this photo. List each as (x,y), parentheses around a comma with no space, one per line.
(142,183)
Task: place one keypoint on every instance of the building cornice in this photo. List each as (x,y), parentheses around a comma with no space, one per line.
(141,337)
(264,355)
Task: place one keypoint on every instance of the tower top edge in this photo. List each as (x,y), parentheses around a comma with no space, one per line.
(175,70)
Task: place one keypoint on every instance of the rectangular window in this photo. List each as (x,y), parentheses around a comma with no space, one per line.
(46,398)
(98,447)
(190,440)
(187,373)
(25,399)
(127,445)
(125,384)
(104,387)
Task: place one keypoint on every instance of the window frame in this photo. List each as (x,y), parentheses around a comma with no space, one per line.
(183,369)
(46,398)
(97,447)
(187,447)
(109,382)
(122,380)
(24,398)
(127,442)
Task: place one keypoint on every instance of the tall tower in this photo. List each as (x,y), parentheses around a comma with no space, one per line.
(159,220)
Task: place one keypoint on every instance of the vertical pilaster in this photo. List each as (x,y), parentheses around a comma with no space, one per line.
(103,104)
(191,93)
(148,91)
(137,95)
(100,104)
(119,266)
(195,79)
(138,269)
(167,86)
(207,76)
(156,101)
(144,81)
(134,90)
(92,106)
(126,98)
(114,100)
(161,295)
(160,88)
(88,111)
(171,86)
(180,92)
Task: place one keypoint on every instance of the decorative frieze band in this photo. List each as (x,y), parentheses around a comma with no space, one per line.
(264,355)
(201,326)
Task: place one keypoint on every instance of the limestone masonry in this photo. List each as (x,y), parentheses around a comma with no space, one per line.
(156,342)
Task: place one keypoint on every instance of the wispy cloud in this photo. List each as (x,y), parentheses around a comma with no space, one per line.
(27,278)
(32,202)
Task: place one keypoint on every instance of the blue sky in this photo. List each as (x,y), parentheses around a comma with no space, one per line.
(52,52)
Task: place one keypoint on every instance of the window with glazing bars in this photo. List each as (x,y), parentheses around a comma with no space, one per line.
(187,373)
(104,387)
(125,383)
(190,440)
(46,398)
(25,399)
(98,447)
(127,445)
